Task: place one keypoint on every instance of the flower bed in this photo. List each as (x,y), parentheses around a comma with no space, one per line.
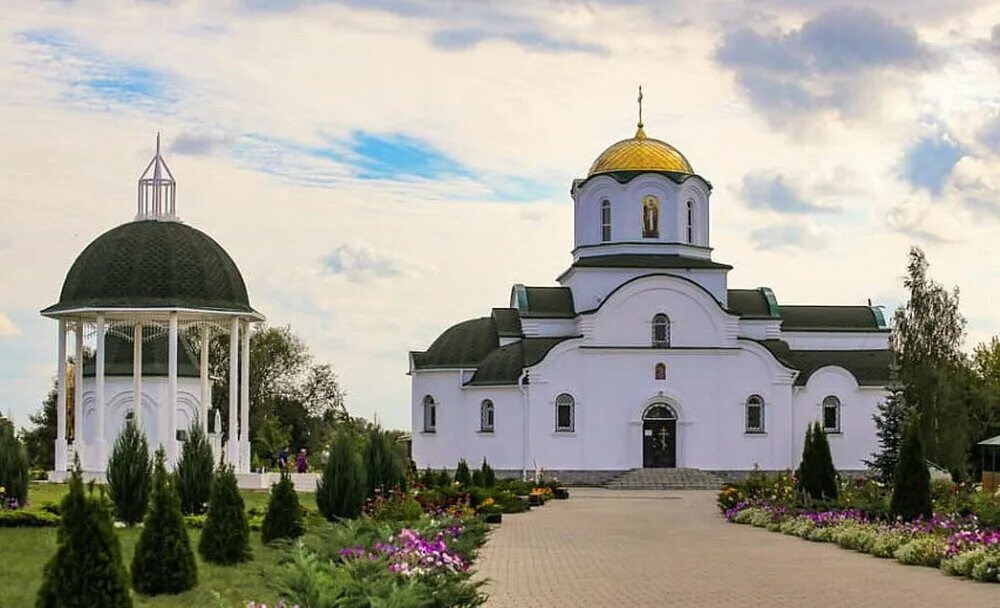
(957,544)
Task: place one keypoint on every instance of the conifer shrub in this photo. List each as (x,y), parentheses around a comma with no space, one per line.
(226,536)
(817,477)
(384,464)
(489,475)
(194,472)
(86,570)
(163,560)
(284,515)
(443,478)
(428,478)
(462,475)
(477,479)
(911,491)
(343,488)
(129,474)
(13,467)
(806,473)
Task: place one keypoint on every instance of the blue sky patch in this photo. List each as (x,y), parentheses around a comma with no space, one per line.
(395,156)
(930,162)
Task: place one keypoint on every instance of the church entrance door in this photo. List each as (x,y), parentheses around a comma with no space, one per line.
(659,437)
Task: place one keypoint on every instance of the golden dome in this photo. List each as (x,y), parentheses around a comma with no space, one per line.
(640,153)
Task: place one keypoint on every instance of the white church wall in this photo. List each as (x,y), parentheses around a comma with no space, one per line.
(760,329)
(856,441)
(591,286)
(437,449)
(829,340)
(626,317)
(542,327)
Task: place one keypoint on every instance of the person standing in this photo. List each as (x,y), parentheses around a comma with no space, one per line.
(302,465)
(283,458)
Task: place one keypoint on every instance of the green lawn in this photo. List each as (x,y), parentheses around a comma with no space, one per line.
(26,550)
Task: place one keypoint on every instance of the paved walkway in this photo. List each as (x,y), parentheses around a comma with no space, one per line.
(635,548)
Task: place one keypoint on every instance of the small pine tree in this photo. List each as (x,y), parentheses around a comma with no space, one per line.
(462,474)
(489,475)
(477,478)
(128,474)
(87,568)
(13,465)
(890,419)
(384,465)
(911,492)
(826,473)
(284,515)
(342,488)
(163,561)
(194,472)
(443,478)
(806,474)
(226,537)
(428,478)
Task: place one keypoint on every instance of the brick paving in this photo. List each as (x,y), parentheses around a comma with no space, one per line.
(654,548)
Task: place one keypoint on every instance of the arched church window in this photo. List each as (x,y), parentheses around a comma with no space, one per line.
(605,221)
(660,371)
(565,413)
(486,416)
(690,222)
(755,414)
(430,415)
(831,414)
(661,331)
(650,217)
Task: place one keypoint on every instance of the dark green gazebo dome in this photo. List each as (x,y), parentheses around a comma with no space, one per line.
(154,264)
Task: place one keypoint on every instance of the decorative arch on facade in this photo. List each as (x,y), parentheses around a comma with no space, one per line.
(661,330)
(660,410)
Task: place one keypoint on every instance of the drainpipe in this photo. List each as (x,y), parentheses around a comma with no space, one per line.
(522,382)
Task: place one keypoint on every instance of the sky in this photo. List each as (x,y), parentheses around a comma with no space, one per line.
(382,169)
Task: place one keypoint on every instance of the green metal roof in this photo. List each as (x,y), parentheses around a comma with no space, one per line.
(461,345)
(869,367)
(118,358)
(827,318)
(504,365)
(508,322)
(624,177)
(648,260)
(753,303)
(555,302)
(154,264)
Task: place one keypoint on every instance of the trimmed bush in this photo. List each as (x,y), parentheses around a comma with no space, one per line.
(428,478)
(886,543)
(28,519)
(13,468)
(477,479)
(817,477)
(911,492)
(987,568)
(163,561)
(194,472)
(284,515)
(226,536)
(926,551)
(963,563)
(86,570)
(342,489)
(384,464)
(443,478)
(128,474)
(462,475)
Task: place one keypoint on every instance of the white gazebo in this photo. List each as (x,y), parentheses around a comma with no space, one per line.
(145,299)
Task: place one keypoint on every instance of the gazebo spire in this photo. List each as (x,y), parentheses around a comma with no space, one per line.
(157,190)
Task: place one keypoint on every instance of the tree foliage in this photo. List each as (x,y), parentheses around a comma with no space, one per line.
(87,569)
(226,536)
(163,560)
(194,472)
(463,477)
(342,488)
(283,519)
(384,461)
(911,492)
(40,438)
(13,465)
(817,477)
(889,423)
(129,474)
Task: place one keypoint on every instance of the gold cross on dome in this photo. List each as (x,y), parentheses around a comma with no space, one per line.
(640,106)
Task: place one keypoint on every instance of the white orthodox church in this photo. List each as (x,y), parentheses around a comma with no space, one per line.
(145,298)
(643,356)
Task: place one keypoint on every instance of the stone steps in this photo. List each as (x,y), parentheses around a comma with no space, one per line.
(665,479)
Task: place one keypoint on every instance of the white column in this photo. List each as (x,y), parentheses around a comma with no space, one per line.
(60,464)
(206,395)
(171,439)
(232,439)
(137,373)
(245,401)
(78,392)
(100,445)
